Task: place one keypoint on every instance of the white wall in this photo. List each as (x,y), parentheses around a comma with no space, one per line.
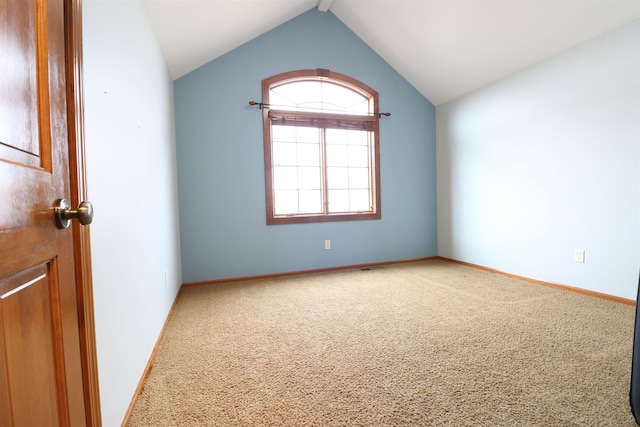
(547,161)
(132,184)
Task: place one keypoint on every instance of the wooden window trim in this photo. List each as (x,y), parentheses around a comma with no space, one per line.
(331,120)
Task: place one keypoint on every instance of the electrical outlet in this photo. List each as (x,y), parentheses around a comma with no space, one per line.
(327,244)
(579,255)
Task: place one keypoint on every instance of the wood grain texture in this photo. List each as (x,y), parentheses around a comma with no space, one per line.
(79,192)
(45,362)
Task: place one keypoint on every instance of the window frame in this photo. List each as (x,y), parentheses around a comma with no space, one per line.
(373,118)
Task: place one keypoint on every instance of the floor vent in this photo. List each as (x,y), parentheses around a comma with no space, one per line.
(371,268)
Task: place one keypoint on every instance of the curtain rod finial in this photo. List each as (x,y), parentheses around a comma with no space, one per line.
(259,104)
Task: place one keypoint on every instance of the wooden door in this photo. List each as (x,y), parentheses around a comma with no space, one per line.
(43,348)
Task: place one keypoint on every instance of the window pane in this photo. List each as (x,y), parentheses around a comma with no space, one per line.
(286,202)
(359,178)
(306,134)
(283,133)
(351,137)
(309,154)
(337,178)
(284,154)
(285,178)
(309,178)
(343,98)
(318,96)
(359,200)
(311,106)
(362,107)
(292,94)
(281,100)
(358,137)
(337,155)
(310,201)
(358,156)
(336,136)
(338,201)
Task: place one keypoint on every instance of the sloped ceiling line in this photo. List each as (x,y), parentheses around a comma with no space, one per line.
(444,48)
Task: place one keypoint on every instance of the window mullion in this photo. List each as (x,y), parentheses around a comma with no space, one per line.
(323,171)
(372,169)
(298,172)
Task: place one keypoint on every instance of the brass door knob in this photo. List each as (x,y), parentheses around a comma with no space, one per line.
(64,213)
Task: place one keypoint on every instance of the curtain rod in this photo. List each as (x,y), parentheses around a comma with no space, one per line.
(262,105)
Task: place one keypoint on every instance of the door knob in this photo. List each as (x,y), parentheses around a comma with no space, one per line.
(64,213)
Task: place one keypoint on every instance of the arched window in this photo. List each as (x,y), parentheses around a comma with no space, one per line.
(322,160)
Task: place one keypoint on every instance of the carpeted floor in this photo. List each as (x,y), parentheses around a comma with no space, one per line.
(427,343)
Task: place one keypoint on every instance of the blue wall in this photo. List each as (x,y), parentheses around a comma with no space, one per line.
(221,170)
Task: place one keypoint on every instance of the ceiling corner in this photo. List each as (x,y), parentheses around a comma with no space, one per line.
(324,5)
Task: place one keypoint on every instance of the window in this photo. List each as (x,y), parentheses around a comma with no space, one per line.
(322,158)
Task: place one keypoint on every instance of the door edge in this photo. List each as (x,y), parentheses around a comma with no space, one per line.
(81,234)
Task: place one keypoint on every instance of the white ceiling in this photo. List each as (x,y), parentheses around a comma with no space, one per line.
(444,48)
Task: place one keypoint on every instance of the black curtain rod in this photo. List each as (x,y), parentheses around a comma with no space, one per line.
(262,105)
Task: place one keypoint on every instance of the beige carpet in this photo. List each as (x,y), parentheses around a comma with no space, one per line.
(428,343)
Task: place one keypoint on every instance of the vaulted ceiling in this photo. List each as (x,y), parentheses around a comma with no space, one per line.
(444,48)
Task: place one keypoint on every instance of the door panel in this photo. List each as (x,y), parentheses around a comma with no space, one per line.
(23,88)
(41,373)
(30,326)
